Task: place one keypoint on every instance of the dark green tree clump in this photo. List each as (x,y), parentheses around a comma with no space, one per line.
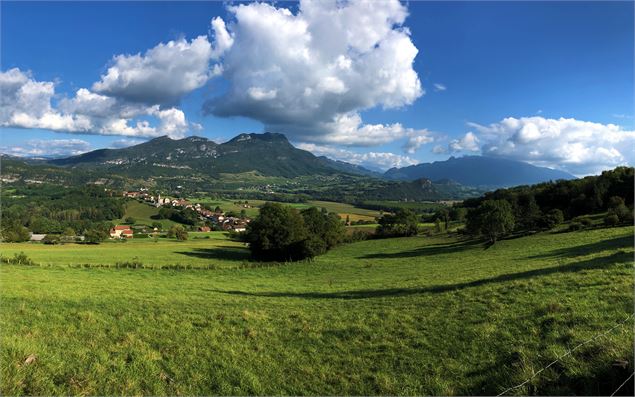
(402,223)
(14,233)
(493,219)
(282,233)
(547,205)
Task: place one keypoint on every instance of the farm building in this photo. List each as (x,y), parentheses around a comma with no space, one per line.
(120,231)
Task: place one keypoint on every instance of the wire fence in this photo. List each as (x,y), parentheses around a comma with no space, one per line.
(622,385)
(567,353)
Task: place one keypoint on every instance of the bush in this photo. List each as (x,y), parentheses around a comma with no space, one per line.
(95,236)
(586,222)
(18,259)
(552,218)
(357,235)
(611,220)
(573,226)
(622,212)
(403,223)
(51,239)
(178,232)
(15,234)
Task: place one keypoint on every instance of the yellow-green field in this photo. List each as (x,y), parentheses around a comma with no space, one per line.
(197,252)
(403,316)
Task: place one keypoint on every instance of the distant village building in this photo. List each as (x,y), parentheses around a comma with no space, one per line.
(37,237)
(204,229)
(121,231)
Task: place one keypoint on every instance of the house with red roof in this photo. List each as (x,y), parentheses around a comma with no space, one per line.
(121,231)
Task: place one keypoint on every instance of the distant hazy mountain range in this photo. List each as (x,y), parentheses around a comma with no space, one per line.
(271,154)
(479,171)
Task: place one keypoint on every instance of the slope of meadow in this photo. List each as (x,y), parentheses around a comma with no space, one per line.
(399,316)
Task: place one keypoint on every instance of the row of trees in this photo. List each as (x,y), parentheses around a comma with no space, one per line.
(282,233)
(544,206)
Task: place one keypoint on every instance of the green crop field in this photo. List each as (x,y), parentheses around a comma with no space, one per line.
(196,252)
(406,316)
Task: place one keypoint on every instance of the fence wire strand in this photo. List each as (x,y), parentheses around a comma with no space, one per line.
(568,353)
(618,389)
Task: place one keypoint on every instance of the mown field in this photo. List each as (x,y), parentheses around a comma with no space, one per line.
(401,316)
(202,249)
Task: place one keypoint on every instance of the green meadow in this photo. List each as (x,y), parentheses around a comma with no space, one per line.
(404,316)
(202,249)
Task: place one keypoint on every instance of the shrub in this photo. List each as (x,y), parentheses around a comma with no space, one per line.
(403,223)
(15,234)
(95,236)
(552,218)
(586,222)
(178,232)
(51,239)
(573,226)
(357,235)
(611,220)
(18,259)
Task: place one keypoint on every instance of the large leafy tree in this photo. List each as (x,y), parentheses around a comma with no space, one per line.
(277,233)
(493,219)
(282,233)
(325,231)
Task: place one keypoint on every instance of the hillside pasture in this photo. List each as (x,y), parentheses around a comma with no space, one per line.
(400,316)
(143,214)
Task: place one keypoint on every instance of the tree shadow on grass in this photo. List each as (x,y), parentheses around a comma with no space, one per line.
(586,249)
(431,249)
(220,253)
(595,263)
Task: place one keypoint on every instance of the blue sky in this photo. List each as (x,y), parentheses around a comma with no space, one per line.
(550,83)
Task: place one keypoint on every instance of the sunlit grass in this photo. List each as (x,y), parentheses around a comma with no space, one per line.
(403,316)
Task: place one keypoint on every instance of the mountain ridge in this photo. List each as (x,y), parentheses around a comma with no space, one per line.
(479,171)
(268,153)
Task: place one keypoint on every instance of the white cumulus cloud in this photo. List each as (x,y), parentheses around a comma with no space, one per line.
(309,74)
(468,143)
(579,147)
(28,103)
(349,130)
(165,73)
(379,161)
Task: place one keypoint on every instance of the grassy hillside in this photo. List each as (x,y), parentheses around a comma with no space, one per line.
(143,214)
(341,209)
(400,316)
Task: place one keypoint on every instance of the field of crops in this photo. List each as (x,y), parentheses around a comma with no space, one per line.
(421,315)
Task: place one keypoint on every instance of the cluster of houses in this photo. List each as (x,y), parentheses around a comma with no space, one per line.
(224,222)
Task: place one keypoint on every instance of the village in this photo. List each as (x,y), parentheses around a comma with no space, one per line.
(215,219)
